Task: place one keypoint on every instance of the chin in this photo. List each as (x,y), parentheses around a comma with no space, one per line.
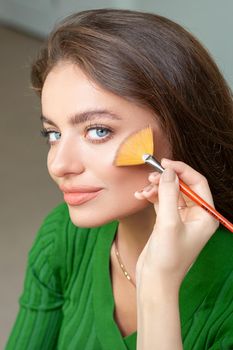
(87,220)
(93,218)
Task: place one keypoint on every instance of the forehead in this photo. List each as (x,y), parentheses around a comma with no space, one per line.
(66,82)
(67,91)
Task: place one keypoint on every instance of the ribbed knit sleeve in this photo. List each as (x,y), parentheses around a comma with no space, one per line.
(223,325)
(39,319)
(224,336)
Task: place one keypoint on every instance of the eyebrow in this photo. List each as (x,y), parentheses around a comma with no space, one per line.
(83,117)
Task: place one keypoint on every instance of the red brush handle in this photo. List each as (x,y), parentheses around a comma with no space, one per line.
(197,199)
(149,159)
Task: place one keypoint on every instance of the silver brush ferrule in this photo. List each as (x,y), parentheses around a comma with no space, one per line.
(147,158)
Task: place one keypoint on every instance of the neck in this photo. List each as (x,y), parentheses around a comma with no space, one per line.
(133,234)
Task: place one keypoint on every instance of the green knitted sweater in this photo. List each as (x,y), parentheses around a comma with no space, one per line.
(68,304)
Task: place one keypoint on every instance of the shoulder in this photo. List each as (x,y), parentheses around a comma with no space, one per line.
(60,244)
(218,256)
(52,227)
(219,249)
(215,262)
(206,304)
(57,231)
(213,268)
(208,286)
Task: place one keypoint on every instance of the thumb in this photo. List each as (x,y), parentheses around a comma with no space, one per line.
(168,194)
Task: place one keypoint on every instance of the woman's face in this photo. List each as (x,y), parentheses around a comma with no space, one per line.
(85,126)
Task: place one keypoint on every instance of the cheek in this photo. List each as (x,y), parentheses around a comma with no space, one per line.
(123,183)
(126,179)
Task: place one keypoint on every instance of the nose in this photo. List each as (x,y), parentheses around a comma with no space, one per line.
(65,158)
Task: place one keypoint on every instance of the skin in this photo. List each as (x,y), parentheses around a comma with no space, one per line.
(158,253)
(75,159)
(175,242)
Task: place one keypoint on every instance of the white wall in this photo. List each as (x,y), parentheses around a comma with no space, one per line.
(210,20)
(39,16)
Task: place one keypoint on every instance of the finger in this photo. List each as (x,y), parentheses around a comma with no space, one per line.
(154,178)
(168,193)
(196,181)
(150,193)
(139,195)
(181,201)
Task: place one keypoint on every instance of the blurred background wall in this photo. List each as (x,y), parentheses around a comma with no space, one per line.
(210,20)
(26,192)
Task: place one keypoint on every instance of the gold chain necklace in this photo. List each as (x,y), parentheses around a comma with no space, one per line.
(121,264)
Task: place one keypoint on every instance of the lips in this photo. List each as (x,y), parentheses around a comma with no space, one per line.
(79,195)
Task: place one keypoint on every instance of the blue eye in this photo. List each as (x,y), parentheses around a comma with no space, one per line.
(52,136)
(98,133)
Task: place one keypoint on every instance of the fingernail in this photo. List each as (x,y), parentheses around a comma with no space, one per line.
(140,191)
(136,194)
(148,188)
(153,176)
(168,175)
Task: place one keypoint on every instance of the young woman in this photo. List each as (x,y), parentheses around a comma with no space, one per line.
(128,262)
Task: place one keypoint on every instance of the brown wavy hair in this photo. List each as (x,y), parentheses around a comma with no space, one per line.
(154,62)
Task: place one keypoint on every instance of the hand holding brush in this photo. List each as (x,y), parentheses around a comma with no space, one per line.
(180,232)
(176,240)
(182,229)
(139,149)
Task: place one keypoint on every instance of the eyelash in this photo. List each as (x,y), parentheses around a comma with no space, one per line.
(46,132)
(99,126)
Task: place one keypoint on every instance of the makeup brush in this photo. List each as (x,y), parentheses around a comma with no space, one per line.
(138,148)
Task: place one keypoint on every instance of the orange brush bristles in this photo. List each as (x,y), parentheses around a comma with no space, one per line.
(132,149)
(137,145)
